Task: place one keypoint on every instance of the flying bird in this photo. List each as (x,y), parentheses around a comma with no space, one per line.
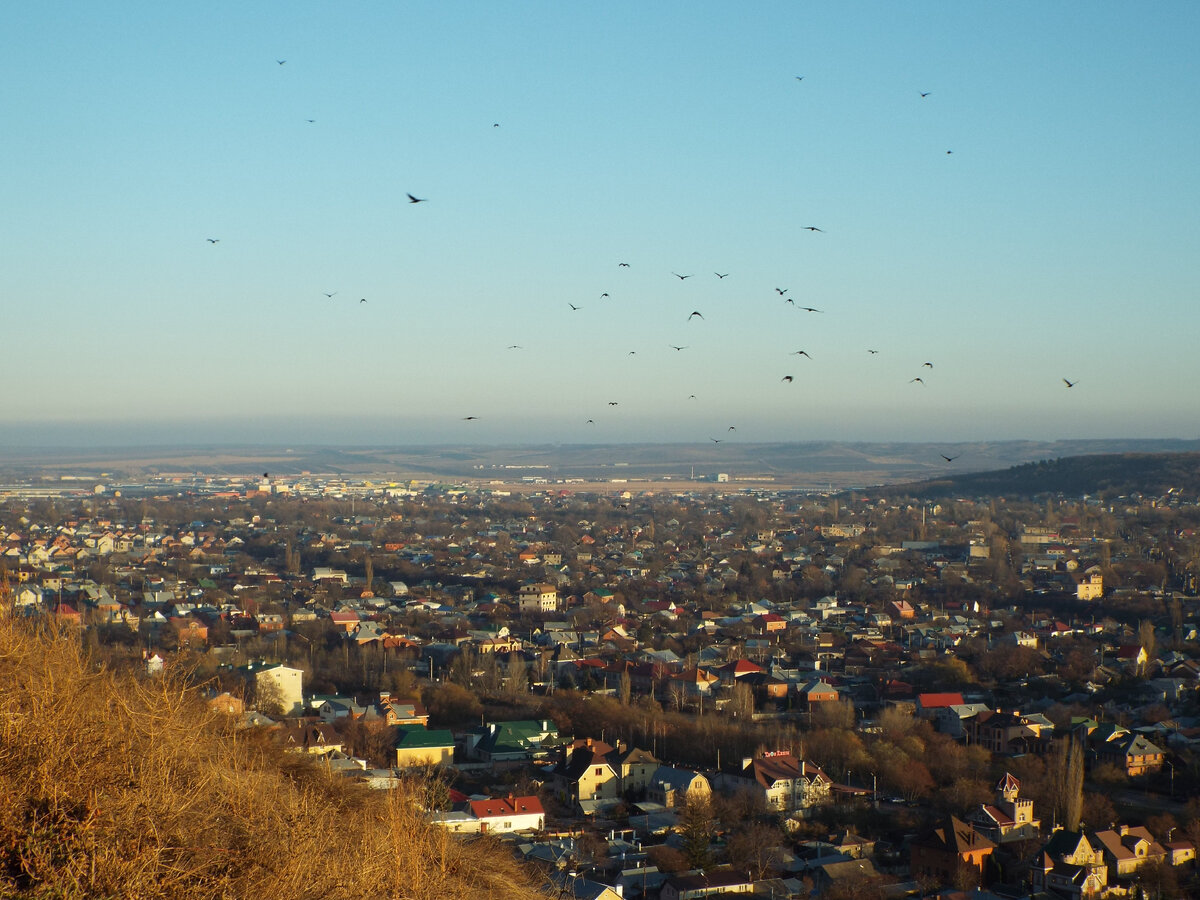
(918,381)
(927,365)
(1070,384)
(731,428)
(680,277)
(695,312)
(684,347)
(310,121)
(622,265)
(589,422)
(515,347)
(631,353)
(719,275)
(495,124)
(602,296)
(948,152)
(787,378)
(950,458)
(799,353)
(808,309)
(612,403)
(872,352)
(412,199)
(925,93)
(782,291)
(469,418)
(799,77)
(789,300)
(714,440)
(363,300)
(691,396)
(212,240)
(814,228)
(574,307)
(330,296)
(281,61)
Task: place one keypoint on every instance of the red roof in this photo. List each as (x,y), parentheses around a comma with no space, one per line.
(506,806)
(939,701)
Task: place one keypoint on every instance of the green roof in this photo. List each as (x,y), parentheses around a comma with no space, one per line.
(418,737)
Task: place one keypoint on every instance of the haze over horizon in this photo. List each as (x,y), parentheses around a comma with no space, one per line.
(187,184)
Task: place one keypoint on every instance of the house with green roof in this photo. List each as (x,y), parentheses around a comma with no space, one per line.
(417,745)
(512,742)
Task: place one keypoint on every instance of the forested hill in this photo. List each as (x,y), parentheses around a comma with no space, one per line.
(1108,475)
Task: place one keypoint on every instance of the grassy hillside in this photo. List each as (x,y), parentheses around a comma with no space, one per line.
(118,786)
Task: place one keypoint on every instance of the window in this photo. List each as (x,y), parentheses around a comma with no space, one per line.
(599,770)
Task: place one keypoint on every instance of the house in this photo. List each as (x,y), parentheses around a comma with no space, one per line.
(1127,849)
(816,692)
(541,598)
(1009,732)
(1009,818)
(1070,865)
(783,782)
(511,742)
(585,777)
(1089,585)
(713,882)
(275,683)
(417,745)
(946,850)
(317,739)
(671,787)
(930,706)
(1132,753)
(634,767)
(503,814)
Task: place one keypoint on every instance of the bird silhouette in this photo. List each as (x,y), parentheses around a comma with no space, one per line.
(814,228)
(212,240)
(731,428)
(809,309)
(782,291)
(714,440)
(412,199)
(612,403)
(574,307)
(799,353)
(680,277)
(872,352)
(691,396)
(948,152)
(918,381)
(515,347)
(949,458)
(622,265)
(363,300)
(310,121)
(1070,384)
(719,275)
(787,378)
(495,124)
(470,418)
(799,77)
(684,347)
(789,300)
(631,353)
(927,365)
(281,61)
(925,93)
(590,422)
(695,312)
(602,296)
(331,296)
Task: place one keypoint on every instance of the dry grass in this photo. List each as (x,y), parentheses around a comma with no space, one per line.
(113,785)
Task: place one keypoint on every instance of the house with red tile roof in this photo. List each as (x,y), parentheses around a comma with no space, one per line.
(503,814)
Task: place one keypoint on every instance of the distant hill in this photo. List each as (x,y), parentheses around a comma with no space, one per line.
(1105,475)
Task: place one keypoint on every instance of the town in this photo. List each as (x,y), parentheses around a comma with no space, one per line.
(650,691)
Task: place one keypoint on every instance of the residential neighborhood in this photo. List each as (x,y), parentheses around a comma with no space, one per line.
(681,694)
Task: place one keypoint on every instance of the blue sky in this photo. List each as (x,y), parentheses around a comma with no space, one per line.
(1057,240)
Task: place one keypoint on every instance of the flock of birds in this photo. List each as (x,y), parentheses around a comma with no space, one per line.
(695,314)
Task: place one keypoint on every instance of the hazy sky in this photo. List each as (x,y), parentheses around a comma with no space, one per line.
(1059,238)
